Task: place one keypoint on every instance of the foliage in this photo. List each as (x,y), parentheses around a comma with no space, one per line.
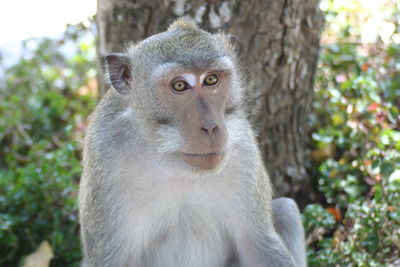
(42,106)
(356,147)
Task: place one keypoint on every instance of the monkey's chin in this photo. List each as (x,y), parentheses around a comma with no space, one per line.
(203,161)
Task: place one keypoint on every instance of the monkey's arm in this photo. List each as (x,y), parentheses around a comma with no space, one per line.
(261,245)
(288,224)
(263,250)
(275,235)
(280,245)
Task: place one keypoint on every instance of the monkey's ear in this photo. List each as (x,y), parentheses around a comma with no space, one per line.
(238,46)
(119,72)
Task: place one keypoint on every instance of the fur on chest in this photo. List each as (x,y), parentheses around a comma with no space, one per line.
(184,222)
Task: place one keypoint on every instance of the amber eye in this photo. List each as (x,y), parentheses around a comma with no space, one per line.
(180,86)
(211,79)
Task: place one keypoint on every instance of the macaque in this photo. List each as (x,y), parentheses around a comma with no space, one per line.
(172,172)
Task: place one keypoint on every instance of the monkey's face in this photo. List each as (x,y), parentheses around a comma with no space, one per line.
(196,102)
(182,94)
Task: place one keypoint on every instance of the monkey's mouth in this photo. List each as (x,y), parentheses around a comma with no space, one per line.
(203,155)
(204,161)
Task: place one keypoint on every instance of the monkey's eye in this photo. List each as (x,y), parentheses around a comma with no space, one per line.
(211,79)
(180,86)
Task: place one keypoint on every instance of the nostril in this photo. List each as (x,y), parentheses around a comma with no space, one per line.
(214,130)
(209,130)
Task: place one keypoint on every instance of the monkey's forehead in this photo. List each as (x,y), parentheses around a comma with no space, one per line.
(184,46)
(163,69)
(182,37)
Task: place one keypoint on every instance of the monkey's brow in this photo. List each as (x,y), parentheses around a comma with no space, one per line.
(223,64)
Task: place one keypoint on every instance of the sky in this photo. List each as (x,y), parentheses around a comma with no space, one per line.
(23,19)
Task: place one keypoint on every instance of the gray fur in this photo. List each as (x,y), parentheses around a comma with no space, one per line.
(140,205)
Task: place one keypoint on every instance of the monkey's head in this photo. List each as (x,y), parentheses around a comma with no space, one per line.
(183,85)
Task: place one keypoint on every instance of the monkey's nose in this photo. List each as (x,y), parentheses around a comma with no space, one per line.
(210,129)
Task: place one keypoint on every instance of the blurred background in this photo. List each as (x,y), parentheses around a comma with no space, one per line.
(49,72)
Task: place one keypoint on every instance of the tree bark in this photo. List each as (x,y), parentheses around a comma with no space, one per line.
(280,39)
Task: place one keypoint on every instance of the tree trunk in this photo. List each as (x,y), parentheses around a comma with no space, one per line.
(281,41)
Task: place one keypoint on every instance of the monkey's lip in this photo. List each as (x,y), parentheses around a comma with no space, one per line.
(205,161)
(203,155)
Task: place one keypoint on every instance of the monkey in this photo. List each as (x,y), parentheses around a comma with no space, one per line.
(172,173)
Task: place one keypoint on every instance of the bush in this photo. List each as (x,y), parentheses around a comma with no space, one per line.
(356,149)
(43,103)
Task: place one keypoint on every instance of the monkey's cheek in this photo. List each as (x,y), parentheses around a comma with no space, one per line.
(205,162)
